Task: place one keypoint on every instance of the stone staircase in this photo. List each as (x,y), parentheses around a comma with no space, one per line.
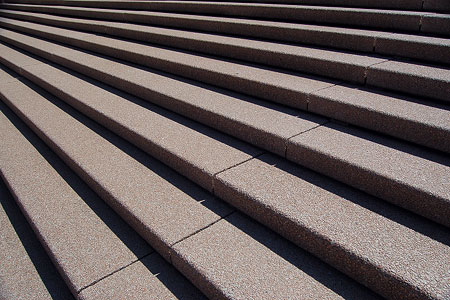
(275,149)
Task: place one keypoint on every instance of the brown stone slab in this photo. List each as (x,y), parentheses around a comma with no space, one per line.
(400,4)
(262,124)
(196,151)
(402,117)
(334,64)
(160,205)
(416,79)
(271,84)
(386,19)
(436,5)
(343,38)
(77,229)
(6,76)
(405,175)
(26,271)
(367,239)
(243,260)
(149,278)
(188,147)
(411,46)
(424,48)
(437,23)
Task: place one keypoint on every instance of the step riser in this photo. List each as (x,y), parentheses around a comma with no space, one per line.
(265,91)
(293,149)
(343,69)
(367,41)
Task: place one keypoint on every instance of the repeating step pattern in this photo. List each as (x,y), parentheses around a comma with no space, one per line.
(224,150)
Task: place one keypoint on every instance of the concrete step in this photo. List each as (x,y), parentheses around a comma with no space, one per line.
(381,246)
(417,79)
(403,45)
(161,280)
(248,121)
(267,175)
(426,5)
(78,232)
(26,271)
(156,200)
(387,113)
(348,16)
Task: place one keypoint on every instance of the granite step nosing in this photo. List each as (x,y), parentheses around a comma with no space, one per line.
(269,87)
(330,64)
(295,149)
(385,43)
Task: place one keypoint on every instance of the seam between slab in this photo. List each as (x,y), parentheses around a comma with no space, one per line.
(114,272)
(198,231)
(213,177)
(295,135)
(366,71)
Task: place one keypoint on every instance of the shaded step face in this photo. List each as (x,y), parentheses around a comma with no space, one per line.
(435,195)
(427,5)
(423,48)
(152,274)
(371,18)
(403,117)
(26,271)
(308,273)
(419,79)
(229,198)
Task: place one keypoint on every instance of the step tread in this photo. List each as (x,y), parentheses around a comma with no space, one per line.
(405,175)
(76,238)
(402,117)
(298,152)
(358,234)
(57,136)
(26,271)
(416,79)
(150,278)
(241,259)
(334,64)
(245,117)
(138,192)
(427,48)
(284,88)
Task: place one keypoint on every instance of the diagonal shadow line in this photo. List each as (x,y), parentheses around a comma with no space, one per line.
(50,277)
(122,230)
(394,213)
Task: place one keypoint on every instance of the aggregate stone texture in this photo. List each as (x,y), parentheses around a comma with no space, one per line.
(436,5)
(437,23)
(201,147)
(434,49)
(401,4)
(240,116)
(334,64)
(26,271)
(77,228)
(243,260)
(374,18)
(265,83)
(190,148)
(354,39)
(149,278)
(377,244)
(406,118)
(160,205)
(412,177)
(417,79)
(405,45)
